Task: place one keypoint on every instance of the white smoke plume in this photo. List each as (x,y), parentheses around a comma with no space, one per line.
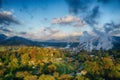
(101,41)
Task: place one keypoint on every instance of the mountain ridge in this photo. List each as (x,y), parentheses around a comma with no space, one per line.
(17,40)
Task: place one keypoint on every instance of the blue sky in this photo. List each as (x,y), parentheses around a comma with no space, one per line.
(56,19)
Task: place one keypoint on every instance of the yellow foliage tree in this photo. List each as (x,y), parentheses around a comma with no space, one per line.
(46,77)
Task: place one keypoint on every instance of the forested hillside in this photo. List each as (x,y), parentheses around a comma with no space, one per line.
(37,63)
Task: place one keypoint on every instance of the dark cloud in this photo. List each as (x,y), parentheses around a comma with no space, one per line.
(84,7)
(50,30)
(7,17)
(5,30)
(90,9)
(1,1)
(112,28)
(92,16)
(104,1)
(76,6)
(23,33)
(112,2)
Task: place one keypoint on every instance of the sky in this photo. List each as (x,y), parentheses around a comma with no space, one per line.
(57,19)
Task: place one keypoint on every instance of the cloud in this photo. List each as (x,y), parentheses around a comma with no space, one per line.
(104,1)
(1,3)
(22,33)
(79,24)
(92,16)
(61,35)
(44,33)
(5,30)
(104,38)
(82,6)
(76,6)
(68,20)
(47,33)
(89,9)
(112,28)
(6,17)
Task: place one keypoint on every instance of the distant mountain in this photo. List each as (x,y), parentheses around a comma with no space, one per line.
(4,40)
(66,39)
(2,37)
(72,41)
(16,41)
(116,39)
(116,42)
